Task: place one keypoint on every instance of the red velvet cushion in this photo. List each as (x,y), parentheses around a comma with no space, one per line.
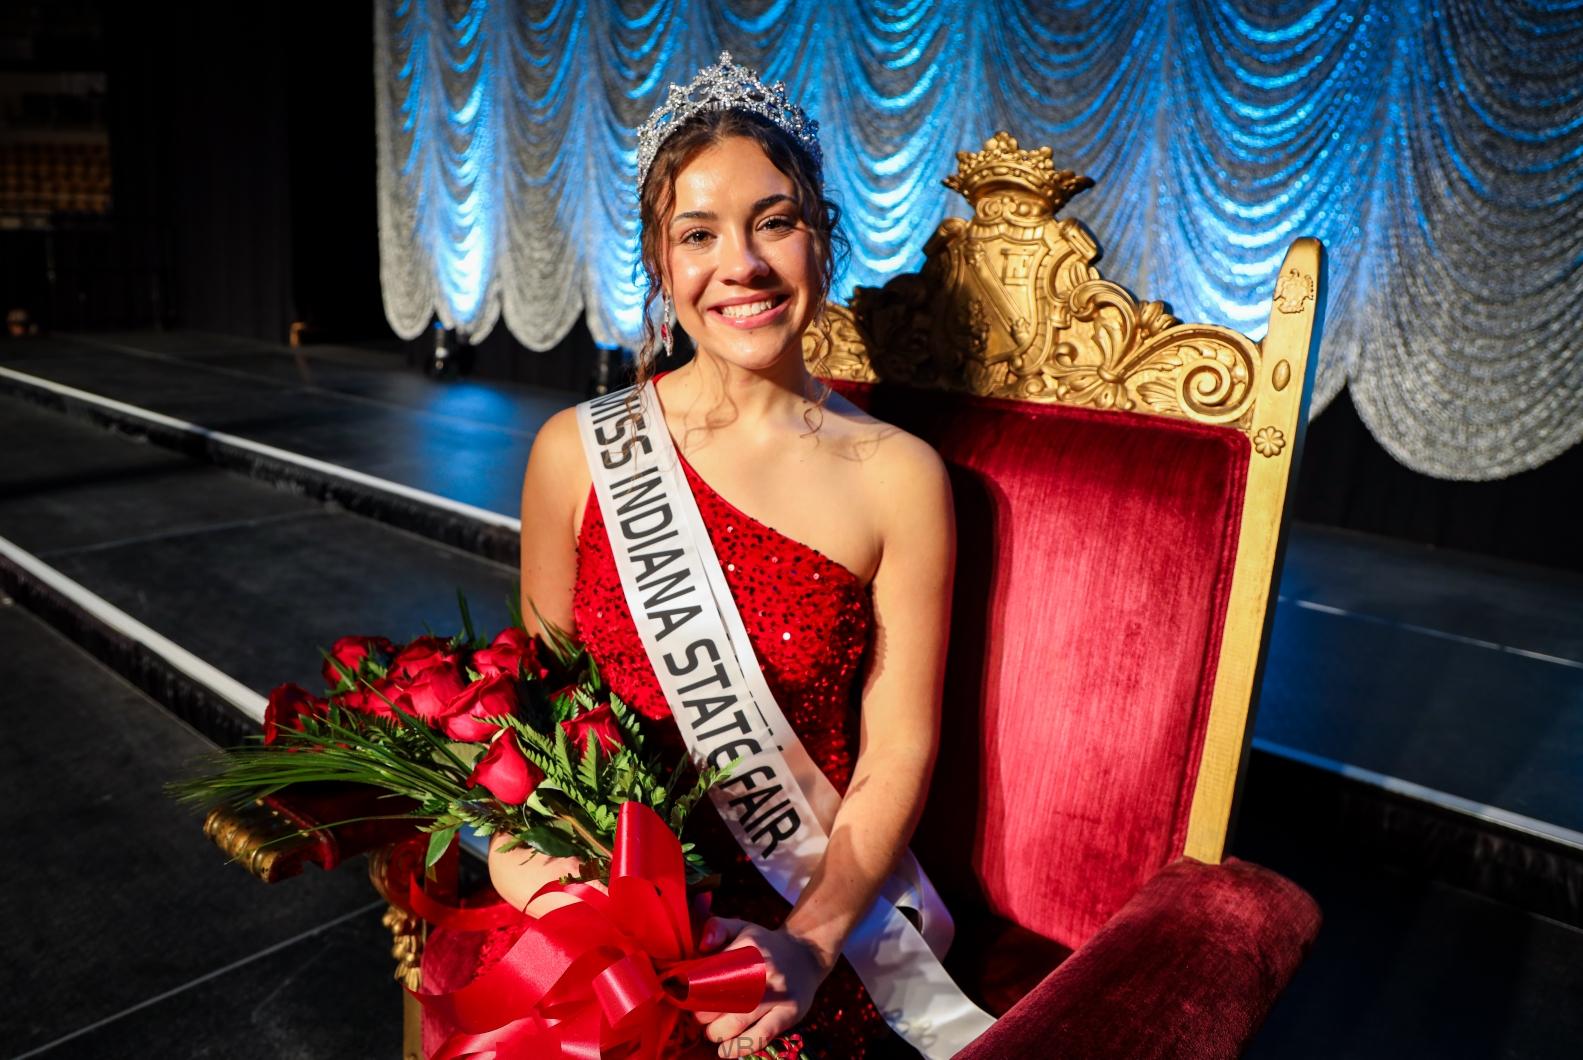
(1188,970)
(1093,564)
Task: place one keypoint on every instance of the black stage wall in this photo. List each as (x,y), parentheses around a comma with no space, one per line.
(242,143)
(1348,480)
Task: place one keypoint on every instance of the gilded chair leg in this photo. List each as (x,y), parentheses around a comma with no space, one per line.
(411,1028)
(407,932)
(407,947)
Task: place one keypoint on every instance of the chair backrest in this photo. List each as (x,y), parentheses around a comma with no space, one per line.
(1120,482)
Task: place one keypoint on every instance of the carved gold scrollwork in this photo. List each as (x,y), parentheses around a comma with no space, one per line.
(1293,291)
(406,946)
(1282,375)
(1009,304)
(386,866)
(835,347)
(257,838)
(1269,441)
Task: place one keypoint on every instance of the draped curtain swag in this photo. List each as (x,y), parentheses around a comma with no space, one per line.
(1436,146)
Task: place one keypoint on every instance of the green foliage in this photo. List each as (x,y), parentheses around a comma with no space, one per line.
(439,842)
(571,813)
(467,621)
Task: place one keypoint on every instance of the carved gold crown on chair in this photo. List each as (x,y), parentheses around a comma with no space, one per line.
(1009,304)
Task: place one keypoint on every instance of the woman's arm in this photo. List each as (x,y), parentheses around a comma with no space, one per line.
(900,734)
(550,500)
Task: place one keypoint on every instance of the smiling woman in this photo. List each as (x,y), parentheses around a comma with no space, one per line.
(833,533)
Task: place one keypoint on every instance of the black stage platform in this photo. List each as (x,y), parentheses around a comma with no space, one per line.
(203,513)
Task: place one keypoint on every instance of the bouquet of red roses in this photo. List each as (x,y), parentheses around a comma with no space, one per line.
(516,734)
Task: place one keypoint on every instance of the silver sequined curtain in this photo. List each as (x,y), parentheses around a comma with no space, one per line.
(1436,146)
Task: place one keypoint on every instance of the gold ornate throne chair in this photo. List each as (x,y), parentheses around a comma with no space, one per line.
(1121,482)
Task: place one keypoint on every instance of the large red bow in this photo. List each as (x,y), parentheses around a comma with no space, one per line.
(607,976)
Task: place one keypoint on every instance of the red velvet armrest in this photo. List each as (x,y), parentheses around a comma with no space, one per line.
(1187,969)
(321,823)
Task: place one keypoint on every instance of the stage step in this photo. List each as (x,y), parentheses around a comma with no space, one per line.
(1408,962)
(442,459)
(1303,821)
(1433,702)
(202,587)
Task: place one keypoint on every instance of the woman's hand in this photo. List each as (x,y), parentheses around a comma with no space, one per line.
(517,875)
(795,971)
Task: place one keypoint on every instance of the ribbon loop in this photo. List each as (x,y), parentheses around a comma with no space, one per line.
(607,975)
(626,989)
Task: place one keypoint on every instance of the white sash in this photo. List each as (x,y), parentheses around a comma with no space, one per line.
(777,804)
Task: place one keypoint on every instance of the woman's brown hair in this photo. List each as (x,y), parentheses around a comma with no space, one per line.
(657,196)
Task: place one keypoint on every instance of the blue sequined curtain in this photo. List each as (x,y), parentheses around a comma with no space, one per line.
(1436,146)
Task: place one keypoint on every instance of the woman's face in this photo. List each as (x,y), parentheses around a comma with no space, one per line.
(740,263)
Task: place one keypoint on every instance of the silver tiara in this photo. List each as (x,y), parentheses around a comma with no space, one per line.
(725,86)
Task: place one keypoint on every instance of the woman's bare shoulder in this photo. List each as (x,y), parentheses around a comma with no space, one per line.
(559,431)
(557,473)
(887,451)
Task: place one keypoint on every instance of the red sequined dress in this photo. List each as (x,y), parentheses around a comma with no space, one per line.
(808,619)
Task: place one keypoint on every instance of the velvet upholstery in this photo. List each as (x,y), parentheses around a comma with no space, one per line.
(1187,969)
(1094,557)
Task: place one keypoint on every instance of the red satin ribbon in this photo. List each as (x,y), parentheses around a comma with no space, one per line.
(603,978)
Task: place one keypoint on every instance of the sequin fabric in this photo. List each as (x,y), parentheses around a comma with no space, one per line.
(807,617)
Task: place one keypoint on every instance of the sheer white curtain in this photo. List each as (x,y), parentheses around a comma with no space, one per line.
(1436,146)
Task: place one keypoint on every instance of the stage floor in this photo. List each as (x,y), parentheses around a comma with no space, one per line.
(1451,679)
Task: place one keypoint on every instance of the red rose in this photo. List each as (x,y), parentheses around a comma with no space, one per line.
(430,696)
(350,653)
(488,698)
(287,706)
(375,699)
(512,651)
(598,721)
(507,775)
(419,657)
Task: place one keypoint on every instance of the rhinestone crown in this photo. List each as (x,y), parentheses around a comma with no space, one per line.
(726,86)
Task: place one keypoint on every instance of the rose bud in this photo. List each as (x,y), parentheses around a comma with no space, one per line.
(288,705)
(350,652)
(487,698)
(598,721)
(503,770)
(376,699)
(419,657)
(512,651)
(430,696)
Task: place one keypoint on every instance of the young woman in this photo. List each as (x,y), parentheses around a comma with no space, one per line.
(833,529)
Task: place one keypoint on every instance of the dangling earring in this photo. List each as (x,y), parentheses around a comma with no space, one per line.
(667,338)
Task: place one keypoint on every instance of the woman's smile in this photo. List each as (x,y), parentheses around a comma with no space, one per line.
(747,313)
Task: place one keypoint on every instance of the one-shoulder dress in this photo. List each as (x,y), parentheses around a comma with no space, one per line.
(809,620)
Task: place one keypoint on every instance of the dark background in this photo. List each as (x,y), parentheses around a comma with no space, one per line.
(242,159)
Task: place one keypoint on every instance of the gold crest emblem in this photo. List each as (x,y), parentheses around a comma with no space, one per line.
(1008,303)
